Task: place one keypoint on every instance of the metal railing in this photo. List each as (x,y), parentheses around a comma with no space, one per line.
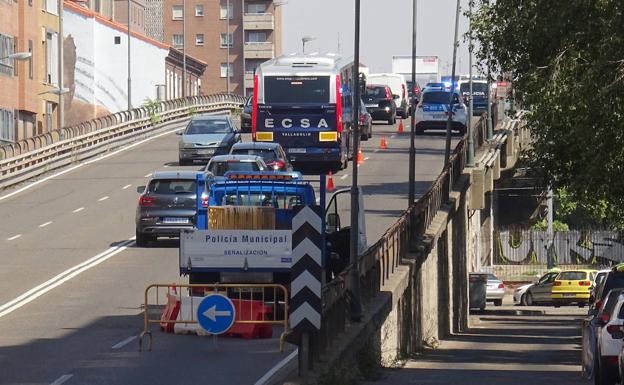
(34,156)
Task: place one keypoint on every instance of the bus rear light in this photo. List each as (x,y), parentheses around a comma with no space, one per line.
(254,109)
(338,106)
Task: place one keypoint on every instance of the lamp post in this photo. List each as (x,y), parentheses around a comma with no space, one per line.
(184,48)
(306,39)
(470,162)
(227,36)
(61,102)
(449,121)
(412,153)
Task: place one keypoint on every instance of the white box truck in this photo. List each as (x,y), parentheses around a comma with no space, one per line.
(427,68)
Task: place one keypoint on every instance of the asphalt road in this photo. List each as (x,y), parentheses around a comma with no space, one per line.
(507,345)
(72,282)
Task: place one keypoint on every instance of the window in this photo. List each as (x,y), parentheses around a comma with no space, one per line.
(172,186)
(199,39)
(199,10)
(223,13)
(224,70)
(178,41)
(256,37)
(50,107)
(51,6)
(177,12)
(30,61)
(224,40)
(296,89)
(256,8)
(6,48)
(117,39)
(7,132)
(51,54)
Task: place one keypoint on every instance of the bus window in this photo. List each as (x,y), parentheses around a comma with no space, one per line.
(296,89)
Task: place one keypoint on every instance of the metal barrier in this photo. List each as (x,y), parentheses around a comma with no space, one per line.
(153,311)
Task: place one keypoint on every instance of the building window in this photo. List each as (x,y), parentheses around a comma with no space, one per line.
(177,12)
(51,55)
(224,70)
(199,39)
(117,39)
(51,6)
(50,107)
(199,10)
(256,8)
(224,40)
(223,13)
(178,41)
(7,131)
(6,48)
(256,37)
(30,61)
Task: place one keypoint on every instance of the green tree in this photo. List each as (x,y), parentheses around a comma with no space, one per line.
(566,59)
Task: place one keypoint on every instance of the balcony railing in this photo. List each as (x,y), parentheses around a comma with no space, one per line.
(259,21)
(259,50)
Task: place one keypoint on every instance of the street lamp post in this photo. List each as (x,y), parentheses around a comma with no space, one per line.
(184,48)
(412,153)
(61,101)
(227,36)
(470,155)
(129,68)
(449,121)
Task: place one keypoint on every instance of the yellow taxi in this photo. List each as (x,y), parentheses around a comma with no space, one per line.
(573,286)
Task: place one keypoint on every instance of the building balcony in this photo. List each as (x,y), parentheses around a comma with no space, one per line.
(259,21)
(259,50)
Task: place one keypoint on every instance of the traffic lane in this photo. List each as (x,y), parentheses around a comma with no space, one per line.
(72,331)
(504,346)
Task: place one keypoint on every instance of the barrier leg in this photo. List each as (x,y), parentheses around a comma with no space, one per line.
(148,333)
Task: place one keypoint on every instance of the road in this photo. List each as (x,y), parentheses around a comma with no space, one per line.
(506,345)
(71,287)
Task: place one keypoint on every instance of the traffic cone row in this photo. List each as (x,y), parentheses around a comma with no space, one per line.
(330,183)
(400,130)
(382,144)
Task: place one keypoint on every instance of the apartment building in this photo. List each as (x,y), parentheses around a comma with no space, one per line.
(254,36)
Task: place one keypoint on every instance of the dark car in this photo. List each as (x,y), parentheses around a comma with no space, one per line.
(379,103)
(246,115)
(479,95)
(206,136)
(613,280)
(366,122)
(413,90)
(166,206)
(221,164)
(272,153)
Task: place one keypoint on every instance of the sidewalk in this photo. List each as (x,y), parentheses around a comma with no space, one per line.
(502,347)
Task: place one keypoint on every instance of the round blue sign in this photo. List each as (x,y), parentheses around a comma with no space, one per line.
(216,314)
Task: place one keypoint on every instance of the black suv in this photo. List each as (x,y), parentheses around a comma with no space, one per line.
(379,103)
(167,205)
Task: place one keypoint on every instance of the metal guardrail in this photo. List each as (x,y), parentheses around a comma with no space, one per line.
(34,156)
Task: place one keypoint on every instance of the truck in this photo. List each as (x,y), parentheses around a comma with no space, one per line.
(244,226)
(427,69)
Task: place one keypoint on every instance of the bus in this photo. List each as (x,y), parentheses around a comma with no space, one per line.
(298,102)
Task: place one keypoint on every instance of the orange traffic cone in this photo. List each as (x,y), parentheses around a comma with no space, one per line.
(400,130)
(360,160)
(382,144)
(330,183)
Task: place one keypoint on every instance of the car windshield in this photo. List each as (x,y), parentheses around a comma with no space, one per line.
(201,127)
(572,276)
(267,154)
(375,92)
(171,186)
(492,277)
(613,281)
(436,97)
(220,168)
(277,200)
(478,89)
(611,300)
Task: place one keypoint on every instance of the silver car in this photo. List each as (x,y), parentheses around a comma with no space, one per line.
(221,164)
(495,290)
(206,136)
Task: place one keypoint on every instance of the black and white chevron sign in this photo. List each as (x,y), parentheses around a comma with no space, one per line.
(307,269)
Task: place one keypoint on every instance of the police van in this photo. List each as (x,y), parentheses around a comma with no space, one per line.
(433,110)
(297,102)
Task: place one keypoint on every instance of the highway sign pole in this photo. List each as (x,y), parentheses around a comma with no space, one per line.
(471,149)
(356,306)
(412,153)
(449,121)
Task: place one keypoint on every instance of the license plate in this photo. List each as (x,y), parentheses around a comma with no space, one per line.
(175,220)
(435,116)
(297,150)
(205,152)
(372,105)
(569,294)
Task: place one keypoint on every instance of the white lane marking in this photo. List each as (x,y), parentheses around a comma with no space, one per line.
(125,342)
(267,376)
(79,209)
(103,198)
(367,158)
(45,224)
(376,150)
(62,379)
(133,145)
(345,176)
(392,136)
(14,237)
(126,186)
(148,175)
(318,200)
(61,278)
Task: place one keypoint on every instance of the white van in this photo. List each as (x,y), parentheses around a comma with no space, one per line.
(397,85)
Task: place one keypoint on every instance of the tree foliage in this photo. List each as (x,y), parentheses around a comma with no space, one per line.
(566,59)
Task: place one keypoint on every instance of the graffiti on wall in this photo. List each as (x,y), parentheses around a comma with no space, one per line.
(569,247)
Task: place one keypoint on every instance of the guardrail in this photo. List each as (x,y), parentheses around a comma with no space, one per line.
(34,156)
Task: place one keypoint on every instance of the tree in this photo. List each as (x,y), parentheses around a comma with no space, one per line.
(567,64)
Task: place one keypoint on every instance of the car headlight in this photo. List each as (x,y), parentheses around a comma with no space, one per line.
(188,145)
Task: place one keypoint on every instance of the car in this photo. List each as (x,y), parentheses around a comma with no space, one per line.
(272,153)
(398,88)
(479,95)
(572,286)
(495,290)
(245,116)
(206,136)
(379,103)
(520,293)
(609,339)
(540,293)
(221,164)
(432,111)
(366,123)
(166,205)
(613,280)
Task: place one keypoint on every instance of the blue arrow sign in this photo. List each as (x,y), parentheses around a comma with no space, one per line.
(216,314)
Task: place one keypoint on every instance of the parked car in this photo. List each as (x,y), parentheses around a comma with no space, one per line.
(495,290)
(432,111)
(272,153)
(572,286)
(366,122)
(379,103)
(541,291)
(520,293)
(613,280)
(221,164)
(398,88)
(609,339)
(166,206)
(246,115)
(206,136)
